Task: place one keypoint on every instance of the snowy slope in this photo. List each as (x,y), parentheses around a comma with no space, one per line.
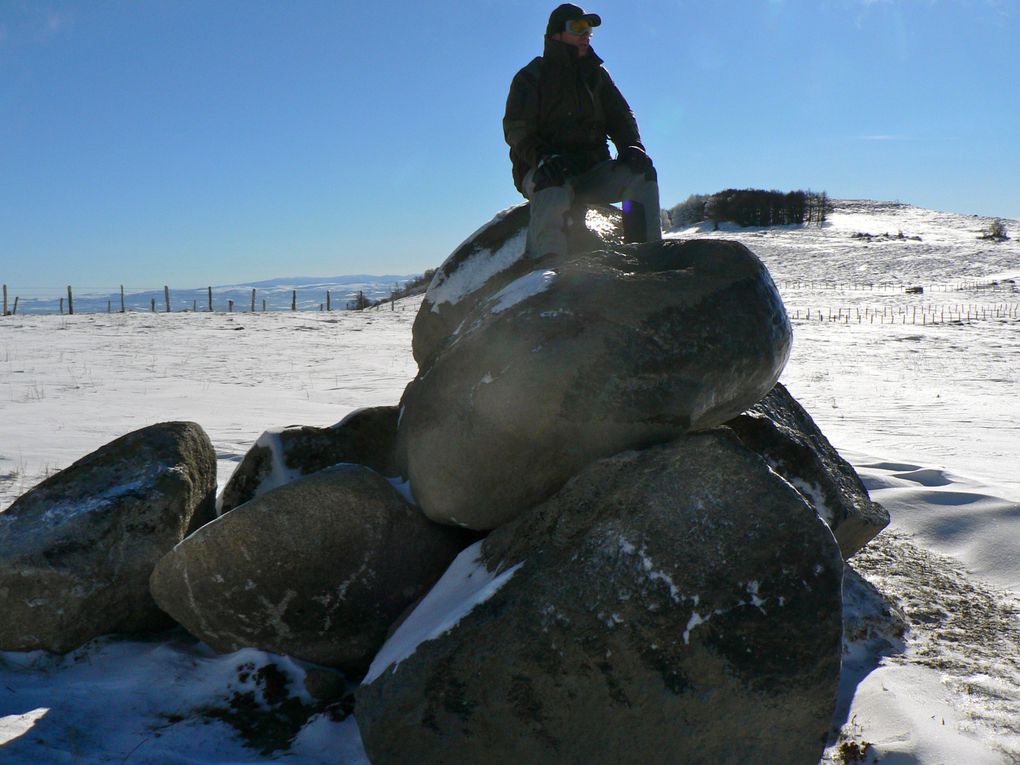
(926,412)
(949,251)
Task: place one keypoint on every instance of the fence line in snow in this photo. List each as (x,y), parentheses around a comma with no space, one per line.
(924,314)
(897,287)
(359,303)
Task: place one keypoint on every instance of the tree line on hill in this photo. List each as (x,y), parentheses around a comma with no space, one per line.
(752,207)
(414,286)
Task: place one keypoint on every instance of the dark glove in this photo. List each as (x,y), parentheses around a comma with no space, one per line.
(552,171)
(635,159)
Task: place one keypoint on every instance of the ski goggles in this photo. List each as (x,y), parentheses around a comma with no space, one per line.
(579,27)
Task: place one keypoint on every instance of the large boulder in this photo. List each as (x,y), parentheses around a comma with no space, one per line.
(364,437)
(76,551)
(318,569)
(491,258)
(601,352)
(783,433)
(677,604)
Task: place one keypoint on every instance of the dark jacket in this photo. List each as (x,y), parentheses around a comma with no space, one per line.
(566,104)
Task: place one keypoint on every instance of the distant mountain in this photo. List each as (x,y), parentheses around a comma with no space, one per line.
(306,293)
(327,281)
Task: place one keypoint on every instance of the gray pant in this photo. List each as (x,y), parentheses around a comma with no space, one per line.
(608,181)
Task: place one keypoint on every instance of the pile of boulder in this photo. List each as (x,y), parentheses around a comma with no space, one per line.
(595,528)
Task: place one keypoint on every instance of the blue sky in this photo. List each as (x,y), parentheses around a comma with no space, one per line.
(145,142)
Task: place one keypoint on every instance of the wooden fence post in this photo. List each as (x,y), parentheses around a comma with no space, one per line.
(166,297)
(210,299)
(5,300)
(122,298)
(15,311)
(61,306)
(263,305)
(329,306)
(70,302)
(253,300)
(230,306)
(152,305)
(109,306)
(293,300)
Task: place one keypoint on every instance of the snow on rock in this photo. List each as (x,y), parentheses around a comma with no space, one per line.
(488,260)
(654,573)
(466,584)
(484,263)
(281,455)
(68,508)
(76,552)
(814,492)
(279,474)
(521,289)
(476,269)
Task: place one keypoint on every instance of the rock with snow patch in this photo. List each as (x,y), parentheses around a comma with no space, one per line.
(318,568)
(600,352)
(364,437)
(491,258)
(76,551)
(676,604)
(783,433)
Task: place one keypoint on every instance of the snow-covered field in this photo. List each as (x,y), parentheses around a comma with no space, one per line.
(917,390)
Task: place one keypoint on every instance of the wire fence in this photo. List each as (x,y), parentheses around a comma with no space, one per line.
(902,303)
(899,299)
(121,299)
(893,288)
(922,314)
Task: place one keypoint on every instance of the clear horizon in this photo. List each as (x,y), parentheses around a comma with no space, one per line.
(207,144)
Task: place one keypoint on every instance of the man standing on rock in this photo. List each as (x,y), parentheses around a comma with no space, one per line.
(561,109)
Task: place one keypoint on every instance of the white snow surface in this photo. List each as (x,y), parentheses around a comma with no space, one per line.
(926,412)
